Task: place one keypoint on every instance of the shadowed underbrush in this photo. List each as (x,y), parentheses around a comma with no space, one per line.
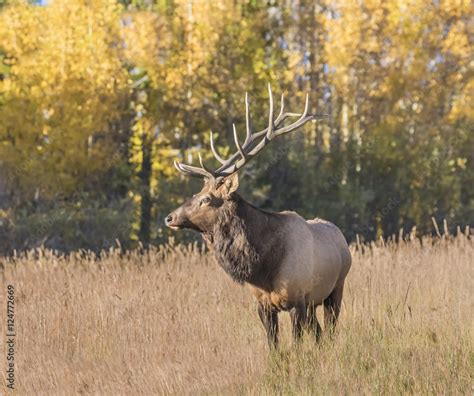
(170,321)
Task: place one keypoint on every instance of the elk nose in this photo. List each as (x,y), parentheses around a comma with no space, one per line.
(169,219)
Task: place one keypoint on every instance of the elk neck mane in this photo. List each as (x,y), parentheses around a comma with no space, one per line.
(235,244)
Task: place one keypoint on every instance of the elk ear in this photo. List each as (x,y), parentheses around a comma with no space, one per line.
(230,185)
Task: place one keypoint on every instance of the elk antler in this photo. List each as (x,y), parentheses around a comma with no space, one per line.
(252,145)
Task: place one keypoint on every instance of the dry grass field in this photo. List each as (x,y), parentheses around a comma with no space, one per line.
(171,322)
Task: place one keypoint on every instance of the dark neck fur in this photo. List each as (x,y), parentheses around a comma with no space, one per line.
(243,242)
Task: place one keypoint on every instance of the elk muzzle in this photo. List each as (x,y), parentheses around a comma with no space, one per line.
(174,220)
(179,219)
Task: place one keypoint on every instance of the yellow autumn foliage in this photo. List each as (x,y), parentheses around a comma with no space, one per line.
(65,87)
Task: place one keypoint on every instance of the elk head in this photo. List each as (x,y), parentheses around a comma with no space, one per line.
(202,210)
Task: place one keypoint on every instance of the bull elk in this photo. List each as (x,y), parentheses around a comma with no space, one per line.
(289,263)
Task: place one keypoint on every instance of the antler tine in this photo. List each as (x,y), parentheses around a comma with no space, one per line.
(270,114)
(204,167)
(176,165)
(282,106)
(249,146)
(275,128)
(214,151)
(304,118)
(254,142)
(193,170)
(236,139)
(247,119)
(306,106)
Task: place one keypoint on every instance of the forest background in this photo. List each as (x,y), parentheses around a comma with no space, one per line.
(99,97)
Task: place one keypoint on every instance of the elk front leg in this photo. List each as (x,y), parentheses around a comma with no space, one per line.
(269,318)
(298,319)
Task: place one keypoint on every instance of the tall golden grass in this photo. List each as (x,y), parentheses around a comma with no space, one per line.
(171,322)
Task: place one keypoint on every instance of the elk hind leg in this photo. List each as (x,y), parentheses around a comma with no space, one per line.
(332,307)
(312,321)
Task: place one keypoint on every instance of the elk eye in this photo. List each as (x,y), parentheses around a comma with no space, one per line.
(206,200)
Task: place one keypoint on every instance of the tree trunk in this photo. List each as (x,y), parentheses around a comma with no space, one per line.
(145,184)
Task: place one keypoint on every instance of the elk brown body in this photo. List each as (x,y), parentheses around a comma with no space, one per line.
(289,263)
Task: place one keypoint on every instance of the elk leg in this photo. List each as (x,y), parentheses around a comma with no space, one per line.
(298,319)
(332,307)
(269,318)
(312,321)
